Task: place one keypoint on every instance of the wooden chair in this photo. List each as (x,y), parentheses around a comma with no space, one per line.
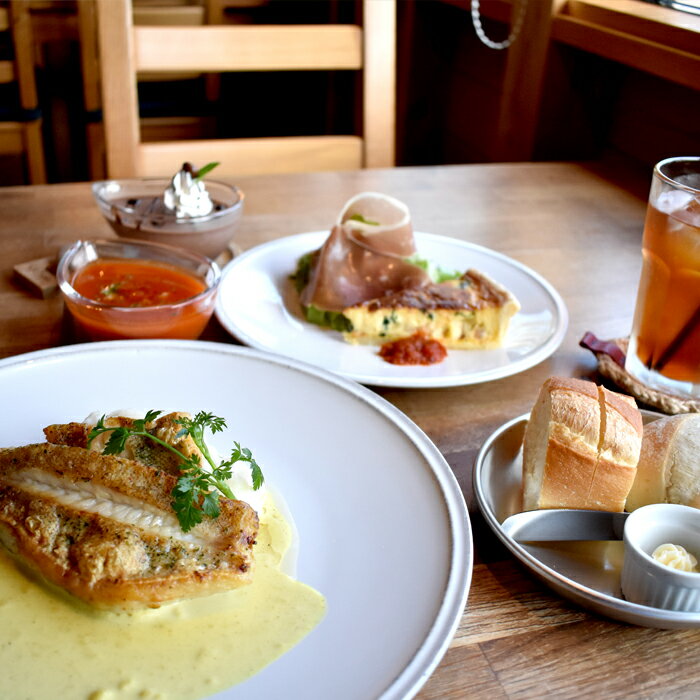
(171,126)
(20,117)
(126,50)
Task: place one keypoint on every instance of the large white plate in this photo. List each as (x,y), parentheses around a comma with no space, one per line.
(384,531)
(586,572)
(258,305)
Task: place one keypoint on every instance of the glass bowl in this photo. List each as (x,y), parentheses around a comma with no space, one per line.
(104,319)
(134,210)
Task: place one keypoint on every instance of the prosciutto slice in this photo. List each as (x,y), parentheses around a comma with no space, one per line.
(364,255)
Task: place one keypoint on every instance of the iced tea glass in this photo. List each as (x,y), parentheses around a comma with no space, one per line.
(664,350)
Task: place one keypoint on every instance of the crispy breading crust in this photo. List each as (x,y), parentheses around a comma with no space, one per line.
(141,449)
(107,562)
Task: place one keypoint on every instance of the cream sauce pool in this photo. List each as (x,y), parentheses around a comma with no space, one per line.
(52,646)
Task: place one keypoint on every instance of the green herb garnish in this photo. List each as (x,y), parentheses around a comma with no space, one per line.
(391,318)
(436,273)
(362,220)
(204,170)
(110,290)
(195,494)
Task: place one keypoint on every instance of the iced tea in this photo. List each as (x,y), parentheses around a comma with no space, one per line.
(665,339)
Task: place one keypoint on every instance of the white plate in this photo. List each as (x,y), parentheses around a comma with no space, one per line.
(586,572)
(258,305)
(384,531)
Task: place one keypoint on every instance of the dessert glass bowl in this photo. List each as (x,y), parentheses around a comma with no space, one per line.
(125,205)
(95,320)
(649,582)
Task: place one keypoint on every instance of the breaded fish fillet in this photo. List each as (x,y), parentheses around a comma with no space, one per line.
(139,448)
(102,528)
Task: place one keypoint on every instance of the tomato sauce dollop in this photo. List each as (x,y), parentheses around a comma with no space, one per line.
(133,283)
(417,349)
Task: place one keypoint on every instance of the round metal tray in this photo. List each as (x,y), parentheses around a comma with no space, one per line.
(587,573)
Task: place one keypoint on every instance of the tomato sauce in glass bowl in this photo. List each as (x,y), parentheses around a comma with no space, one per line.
(118,290)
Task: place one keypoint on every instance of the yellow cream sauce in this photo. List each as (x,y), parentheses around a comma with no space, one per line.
(52,646)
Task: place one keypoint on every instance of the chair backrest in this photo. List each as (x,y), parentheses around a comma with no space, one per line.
(126,50)
(20,123)
(14,17)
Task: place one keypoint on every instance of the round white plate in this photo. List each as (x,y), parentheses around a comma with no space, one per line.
(586,572)
(257,304)
(384,531)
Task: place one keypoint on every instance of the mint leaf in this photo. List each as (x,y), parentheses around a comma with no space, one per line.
(205,169)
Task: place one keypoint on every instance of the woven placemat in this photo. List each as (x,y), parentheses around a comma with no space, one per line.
(611,364)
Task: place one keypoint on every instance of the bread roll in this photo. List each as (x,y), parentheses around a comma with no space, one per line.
(669,464)
(620,445)
(581,447)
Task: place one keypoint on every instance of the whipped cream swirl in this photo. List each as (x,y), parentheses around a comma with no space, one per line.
(187,196)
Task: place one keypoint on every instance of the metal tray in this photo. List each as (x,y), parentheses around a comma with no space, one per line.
(587,573)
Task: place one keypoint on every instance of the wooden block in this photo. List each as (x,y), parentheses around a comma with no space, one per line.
(38,276)
(232,250)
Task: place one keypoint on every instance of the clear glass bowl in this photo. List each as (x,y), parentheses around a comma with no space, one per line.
(95,320)
(122,204)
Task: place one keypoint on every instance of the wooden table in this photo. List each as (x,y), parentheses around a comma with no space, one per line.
(573,225)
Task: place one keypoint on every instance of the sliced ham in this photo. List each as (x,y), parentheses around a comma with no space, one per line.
(362,260)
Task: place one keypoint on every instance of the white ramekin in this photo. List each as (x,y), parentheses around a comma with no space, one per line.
(647,581)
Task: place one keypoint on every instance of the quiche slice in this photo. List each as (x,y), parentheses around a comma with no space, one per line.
(472,312)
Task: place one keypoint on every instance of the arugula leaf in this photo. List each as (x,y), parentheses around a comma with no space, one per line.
(198,490)
(205,169)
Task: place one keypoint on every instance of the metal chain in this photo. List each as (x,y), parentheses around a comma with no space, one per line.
(514,32)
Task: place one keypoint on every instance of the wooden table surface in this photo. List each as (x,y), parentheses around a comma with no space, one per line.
(580,231)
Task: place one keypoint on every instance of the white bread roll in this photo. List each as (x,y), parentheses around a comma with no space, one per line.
(581,447)
(561,444)
(669,464)
(618,456)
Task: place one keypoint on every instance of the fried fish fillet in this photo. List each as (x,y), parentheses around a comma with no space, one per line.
(103,529)
(139,448)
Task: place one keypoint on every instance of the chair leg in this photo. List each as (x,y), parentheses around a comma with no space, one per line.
(96,151)
(34,150)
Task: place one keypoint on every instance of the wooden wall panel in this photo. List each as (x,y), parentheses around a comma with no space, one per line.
(590,106)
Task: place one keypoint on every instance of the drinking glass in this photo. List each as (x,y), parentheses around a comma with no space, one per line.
(664,350)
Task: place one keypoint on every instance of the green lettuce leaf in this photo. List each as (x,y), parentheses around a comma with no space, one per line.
(437,274)
(302,274)
(330,319)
